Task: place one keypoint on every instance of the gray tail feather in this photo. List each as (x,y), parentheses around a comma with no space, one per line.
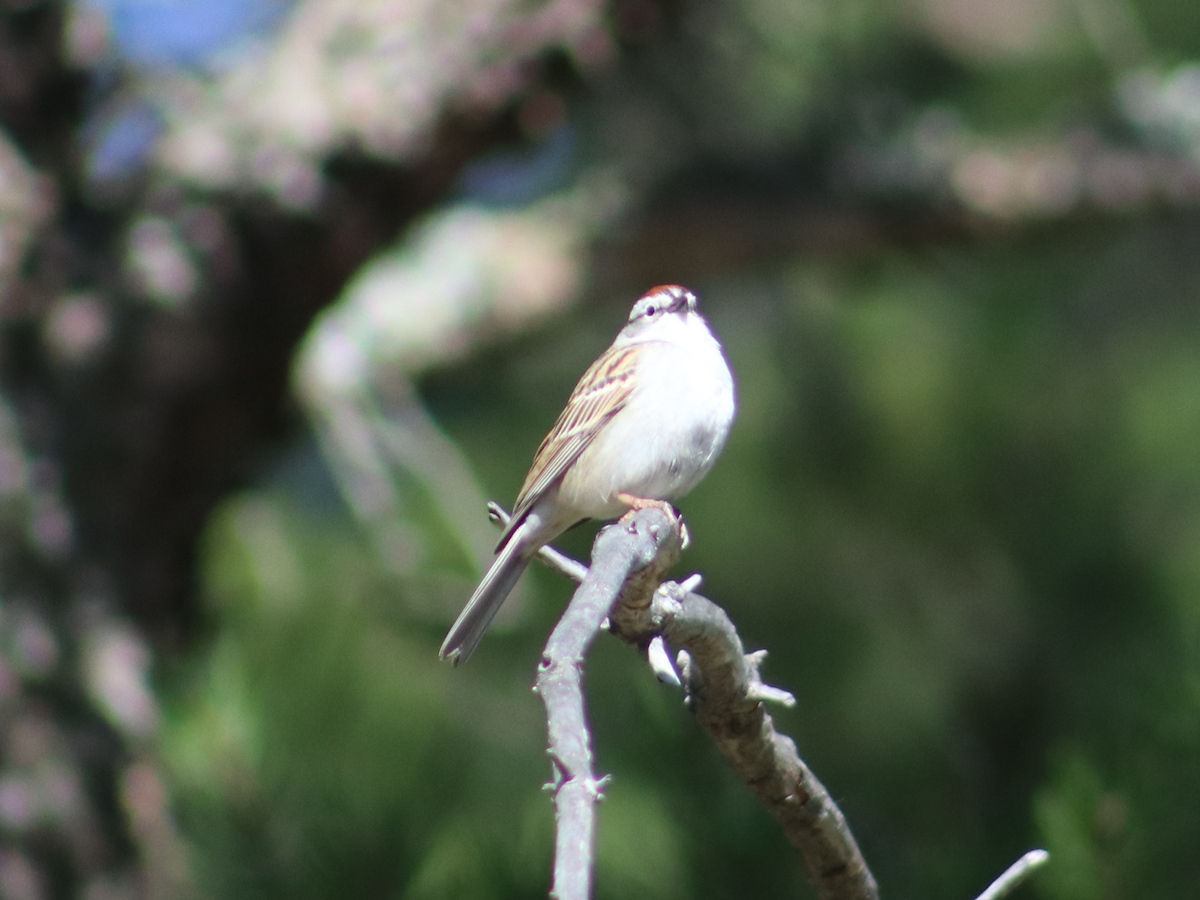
(467,631)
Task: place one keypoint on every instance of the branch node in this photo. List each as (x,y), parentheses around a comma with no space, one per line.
(767,694)
(760,690)
(660,662)
(687,674)
(595,786)
(1015,874)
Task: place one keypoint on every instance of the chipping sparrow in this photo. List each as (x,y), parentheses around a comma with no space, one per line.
(645,423)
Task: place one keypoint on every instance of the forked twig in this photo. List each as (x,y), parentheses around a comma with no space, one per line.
(723,688)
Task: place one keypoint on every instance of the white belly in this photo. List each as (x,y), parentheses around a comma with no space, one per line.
(665,439)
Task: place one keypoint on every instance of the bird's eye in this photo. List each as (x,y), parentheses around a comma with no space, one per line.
(651,311)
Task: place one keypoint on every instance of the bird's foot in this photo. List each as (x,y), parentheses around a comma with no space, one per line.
(642,503)
(636,503)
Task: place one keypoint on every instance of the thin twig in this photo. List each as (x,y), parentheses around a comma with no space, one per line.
(1015,874)
(560,562)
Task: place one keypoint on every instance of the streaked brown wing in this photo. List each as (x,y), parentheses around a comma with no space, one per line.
(601,393)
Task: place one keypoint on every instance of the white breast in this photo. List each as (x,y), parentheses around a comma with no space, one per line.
(668,435)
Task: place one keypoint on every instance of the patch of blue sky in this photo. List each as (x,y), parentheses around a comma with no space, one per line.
(119,143)
(186,33)
(518,177)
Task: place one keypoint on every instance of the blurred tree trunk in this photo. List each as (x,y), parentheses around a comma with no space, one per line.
(128,411)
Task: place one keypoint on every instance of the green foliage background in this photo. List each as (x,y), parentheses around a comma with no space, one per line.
(961,509)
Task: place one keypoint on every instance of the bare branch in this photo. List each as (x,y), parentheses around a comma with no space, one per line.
(1015,874)
(725,693)
(724,690)
(642,541)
